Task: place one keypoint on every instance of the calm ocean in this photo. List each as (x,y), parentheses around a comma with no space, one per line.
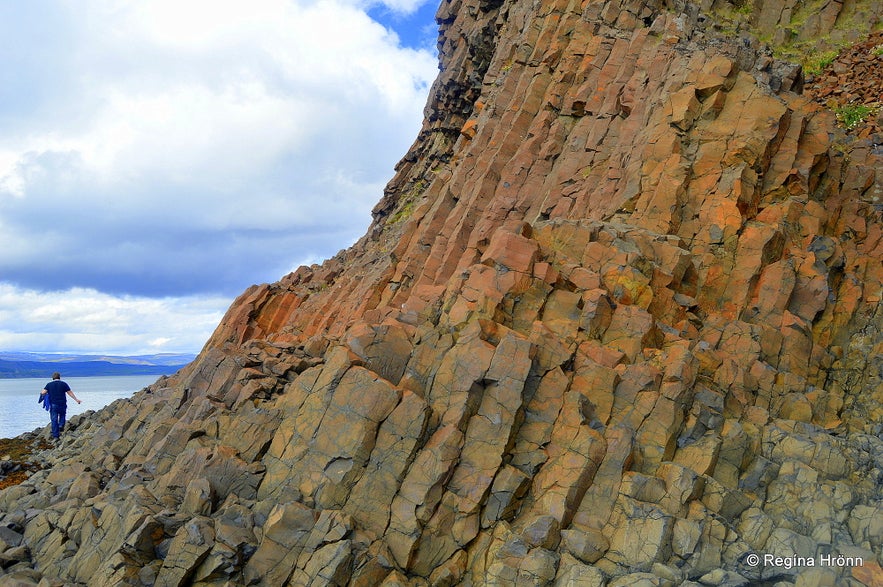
(20,412)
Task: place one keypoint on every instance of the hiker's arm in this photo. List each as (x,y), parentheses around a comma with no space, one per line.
(70,392)
(44,392)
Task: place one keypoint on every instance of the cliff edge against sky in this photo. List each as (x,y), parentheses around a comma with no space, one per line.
(616,322)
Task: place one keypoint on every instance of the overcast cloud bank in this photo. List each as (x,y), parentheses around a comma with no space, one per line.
(158,158)
(92,322)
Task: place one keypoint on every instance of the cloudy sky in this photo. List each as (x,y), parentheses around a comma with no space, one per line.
(157,158)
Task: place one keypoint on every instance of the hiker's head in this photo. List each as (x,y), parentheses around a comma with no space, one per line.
(56,375)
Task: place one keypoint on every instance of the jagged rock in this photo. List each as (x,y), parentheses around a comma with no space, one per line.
(11,556)
(188,548)
(640,580)
(21,578)
(868,574)
(397,442)
(574,574)
(451,572)
(617,321)
(723,578)
(329,565)
(86,485)
(385,349)
(198,497)
(235,543)
(9,538)
(641,533)
(544,532)
(587,545)
(420,491)
(286,530)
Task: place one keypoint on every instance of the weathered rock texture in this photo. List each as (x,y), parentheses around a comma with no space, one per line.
(855,78)
(617,322)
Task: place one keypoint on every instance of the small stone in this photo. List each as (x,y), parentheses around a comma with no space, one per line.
(543,532)
(586,545)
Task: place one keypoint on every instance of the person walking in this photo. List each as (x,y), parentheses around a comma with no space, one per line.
(56,392)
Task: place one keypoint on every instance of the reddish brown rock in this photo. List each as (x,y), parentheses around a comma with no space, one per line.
(616,321)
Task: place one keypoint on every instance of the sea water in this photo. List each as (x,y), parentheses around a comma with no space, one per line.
(20,412)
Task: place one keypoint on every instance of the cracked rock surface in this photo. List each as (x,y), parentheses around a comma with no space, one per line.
(617,322)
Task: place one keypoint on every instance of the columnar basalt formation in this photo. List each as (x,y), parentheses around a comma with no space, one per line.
(616,322)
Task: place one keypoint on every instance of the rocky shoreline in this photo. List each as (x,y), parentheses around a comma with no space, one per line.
(617,322)
(20,457)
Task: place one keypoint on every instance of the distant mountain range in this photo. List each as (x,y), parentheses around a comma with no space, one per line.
(27,364)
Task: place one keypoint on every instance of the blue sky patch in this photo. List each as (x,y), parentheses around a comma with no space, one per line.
(416,30)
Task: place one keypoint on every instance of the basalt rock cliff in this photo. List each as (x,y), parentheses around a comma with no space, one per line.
(616,322)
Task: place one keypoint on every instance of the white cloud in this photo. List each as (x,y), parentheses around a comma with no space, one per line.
(212,95)
(88,321)
(404,6)
(399,7)
(201,118)
(180,148)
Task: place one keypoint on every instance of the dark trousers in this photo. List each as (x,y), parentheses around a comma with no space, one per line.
(57,412)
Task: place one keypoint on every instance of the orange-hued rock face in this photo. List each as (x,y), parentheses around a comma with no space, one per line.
(616,321)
